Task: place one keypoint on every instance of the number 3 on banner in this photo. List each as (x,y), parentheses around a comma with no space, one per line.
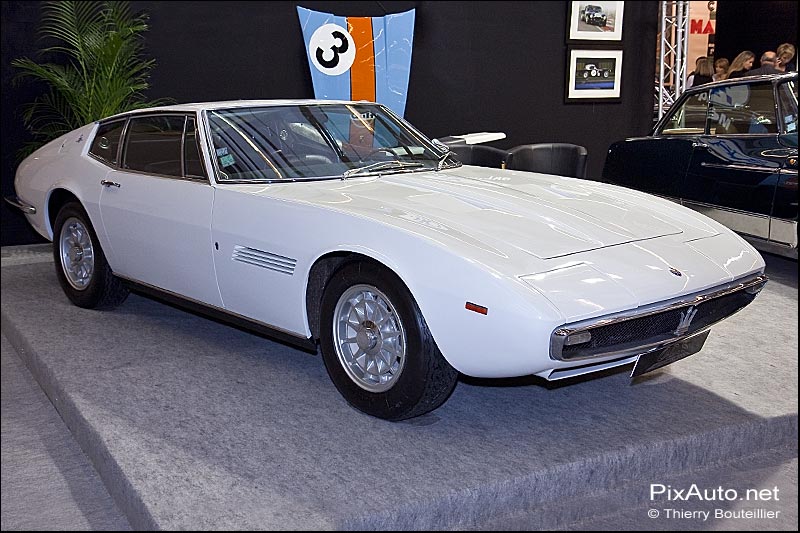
(332,50)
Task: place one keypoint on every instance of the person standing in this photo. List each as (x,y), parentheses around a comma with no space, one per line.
(786,62)
(740,65)
(720,68)
(704,73)
(690,77)
(768,61)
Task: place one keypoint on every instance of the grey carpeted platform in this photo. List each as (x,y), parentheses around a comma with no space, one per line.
(197,425)
(47,481)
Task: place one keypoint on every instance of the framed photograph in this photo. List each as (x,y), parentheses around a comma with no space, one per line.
(595,20)
(593,75)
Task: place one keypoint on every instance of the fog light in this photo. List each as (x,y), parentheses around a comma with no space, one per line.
(578,338)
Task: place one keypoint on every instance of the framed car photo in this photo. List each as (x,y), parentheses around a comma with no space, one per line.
(593,74)
(595,20)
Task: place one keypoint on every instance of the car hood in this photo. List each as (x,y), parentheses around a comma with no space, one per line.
(501,210)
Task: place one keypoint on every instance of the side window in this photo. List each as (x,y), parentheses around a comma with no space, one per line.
(744,108)
(106,141)
(787,96)
(153,145)
(689,118)
(191,151)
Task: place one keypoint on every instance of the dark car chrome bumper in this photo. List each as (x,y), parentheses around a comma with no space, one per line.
(22,206)
(652,327)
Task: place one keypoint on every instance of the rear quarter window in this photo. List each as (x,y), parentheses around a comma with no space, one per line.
(105,145)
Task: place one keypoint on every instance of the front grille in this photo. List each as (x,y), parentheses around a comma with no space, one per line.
(654,328)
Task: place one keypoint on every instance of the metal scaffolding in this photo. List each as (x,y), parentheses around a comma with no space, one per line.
(673,49)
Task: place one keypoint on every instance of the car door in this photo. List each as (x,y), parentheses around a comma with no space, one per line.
(658,164)
(736,165)
(783,223)
(258,239)
(156,208)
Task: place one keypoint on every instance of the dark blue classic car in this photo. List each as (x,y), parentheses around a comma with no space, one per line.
(593,15)
(729,150)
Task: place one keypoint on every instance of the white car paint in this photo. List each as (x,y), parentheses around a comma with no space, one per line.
(538,251)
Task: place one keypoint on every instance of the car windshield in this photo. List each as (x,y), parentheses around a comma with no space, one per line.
(593,9)
(316,141)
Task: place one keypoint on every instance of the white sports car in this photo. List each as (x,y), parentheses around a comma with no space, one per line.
(339,225)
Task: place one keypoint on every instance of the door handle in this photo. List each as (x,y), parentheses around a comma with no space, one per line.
(702,146)
(107,183)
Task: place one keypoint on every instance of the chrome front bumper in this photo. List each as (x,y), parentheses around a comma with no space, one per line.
(22,206)
(652,327)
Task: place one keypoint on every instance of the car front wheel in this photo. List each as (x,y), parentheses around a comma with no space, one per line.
(377,348)
(81,266)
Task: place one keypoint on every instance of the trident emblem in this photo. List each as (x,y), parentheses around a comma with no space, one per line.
(686,320)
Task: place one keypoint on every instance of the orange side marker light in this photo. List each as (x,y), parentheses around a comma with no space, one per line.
(477,308)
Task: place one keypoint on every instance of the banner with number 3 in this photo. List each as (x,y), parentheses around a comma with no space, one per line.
(359,58)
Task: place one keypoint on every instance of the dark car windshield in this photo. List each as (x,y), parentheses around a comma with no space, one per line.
(746,108)
(593,9)
(313,141)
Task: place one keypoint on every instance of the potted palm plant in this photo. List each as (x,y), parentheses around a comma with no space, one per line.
(100,70)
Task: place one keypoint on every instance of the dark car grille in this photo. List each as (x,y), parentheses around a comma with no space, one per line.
(652,329)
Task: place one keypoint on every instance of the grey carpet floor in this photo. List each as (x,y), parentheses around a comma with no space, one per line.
(194,424)
(47,481)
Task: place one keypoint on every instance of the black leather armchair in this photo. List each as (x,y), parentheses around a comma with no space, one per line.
(479,155)
(562,159)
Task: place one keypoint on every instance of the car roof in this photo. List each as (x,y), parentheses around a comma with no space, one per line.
(743,80)
(195,107)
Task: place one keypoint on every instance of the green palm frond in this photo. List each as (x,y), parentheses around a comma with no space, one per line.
(102,72)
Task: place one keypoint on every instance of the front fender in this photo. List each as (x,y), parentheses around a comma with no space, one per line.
(511,339)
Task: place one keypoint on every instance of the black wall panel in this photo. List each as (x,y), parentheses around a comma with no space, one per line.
(754,26)
(476,66)
(20,21)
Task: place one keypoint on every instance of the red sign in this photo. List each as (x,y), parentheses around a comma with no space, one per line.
(697,26)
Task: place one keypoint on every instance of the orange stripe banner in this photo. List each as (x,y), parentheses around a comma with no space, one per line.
(362,73)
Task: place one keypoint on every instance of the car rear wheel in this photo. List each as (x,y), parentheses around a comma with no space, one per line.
(377,348)
(81,266)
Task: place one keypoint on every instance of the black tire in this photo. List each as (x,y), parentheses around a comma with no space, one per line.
(425,379)
(99,289)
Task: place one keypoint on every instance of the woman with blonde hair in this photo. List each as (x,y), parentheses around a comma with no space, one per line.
(786,53)
(740,65)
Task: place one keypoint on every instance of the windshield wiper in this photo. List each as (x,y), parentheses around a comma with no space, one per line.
(381,165)
(443,158)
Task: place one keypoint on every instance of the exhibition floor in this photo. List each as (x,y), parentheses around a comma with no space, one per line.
(193,424)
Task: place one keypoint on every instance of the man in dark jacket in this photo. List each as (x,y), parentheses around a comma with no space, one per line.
(768,60)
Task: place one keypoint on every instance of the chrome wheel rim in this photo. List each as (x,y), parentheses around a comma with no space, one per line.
(77,253)
(369,338)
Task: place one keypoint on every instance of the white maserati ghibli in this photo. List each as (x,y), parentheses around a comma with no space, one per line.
(340,227)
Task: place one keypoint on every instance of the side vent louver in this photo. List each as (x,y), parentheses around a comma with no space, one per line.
(259,258)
